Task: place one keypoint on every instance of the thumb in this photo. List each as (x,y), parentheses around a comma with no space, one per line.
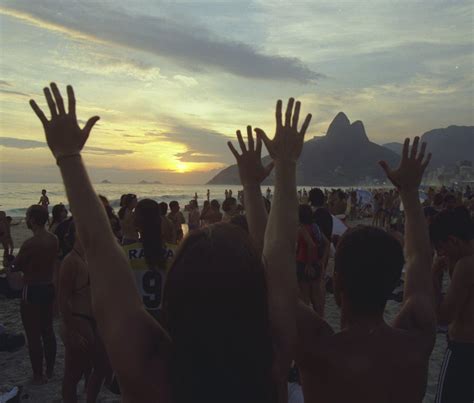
(90,124)
(261,134)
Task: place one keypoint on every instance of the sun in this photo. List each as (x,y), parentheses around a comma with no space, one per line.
(181,167)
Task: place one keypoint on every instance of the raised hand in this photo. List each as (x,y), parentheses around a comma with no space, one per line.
(251,169)
(288,141)
(412,166)
(63,134)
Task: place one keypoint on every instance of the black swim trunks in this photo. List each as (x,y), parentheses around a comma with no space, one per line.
(456,378)
(38,294)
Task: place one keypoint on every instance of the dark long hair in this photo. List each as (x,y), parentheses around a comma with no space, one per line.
(125,203)
(148,221)
(216,311)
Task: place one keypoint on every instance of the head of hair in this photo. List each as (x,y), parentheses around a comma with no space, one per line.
(148,222)
(126,203)
(456,223)
(206,204)
(215,204)
(305,214)
(316,197)
(174,205)
(241,221)
(57,212)
(218,333)
(38,214)
(368,265)
(43,191)
(228,204)
(163,208)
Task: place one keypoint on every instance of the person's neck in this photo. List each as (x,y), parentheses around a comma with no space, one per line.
(364,322)
(38,230)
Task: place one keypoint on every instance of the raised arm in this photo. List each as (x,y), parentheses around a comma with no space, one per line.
(418,311)
(116,303)
(252,174)
(280,235)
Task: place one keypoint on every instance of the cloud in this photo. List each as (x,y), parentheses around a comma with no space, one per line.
(4,83)
(23,144)
(191,47)
(11,92)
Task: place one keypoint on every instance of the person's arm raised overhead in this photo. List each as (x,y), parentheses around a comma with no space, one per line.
(418,312)
(252,174)
(279,249)
(135,354)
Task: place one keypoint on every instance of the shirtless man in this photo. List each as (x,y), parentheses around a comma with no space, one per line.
(194,217)
(5,235)
(36,259)
(44,200)
(453,236)
(177,218)
(370,360)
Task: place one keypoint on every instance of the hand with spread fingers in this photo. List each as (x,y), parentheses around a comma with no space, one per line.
(412,166)
(64,136)
(251,169)
(288,141)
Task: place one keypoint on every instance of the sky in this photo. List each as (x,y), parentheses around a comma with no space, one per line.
(173,80)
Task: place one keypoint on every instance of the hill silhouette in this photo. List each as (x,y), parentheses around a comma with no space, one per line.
(343,157)
(448,145)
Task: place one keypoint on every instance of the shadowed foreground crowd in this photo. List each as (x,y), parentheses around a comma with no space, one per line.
(227,311)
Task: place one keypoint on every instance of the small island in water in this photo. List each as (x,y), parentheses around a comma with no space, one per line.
(143,182)
(105,182)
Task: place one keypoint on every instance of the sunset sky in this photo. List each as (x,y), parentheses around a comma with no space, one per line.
(173,80)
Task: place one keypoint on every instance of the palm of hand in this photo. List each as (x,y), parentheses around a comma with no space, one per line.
(288,141)
(412,166)
(63,134)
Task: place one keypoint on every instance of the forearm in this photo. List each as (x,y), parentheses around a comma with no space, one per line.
(418,252)
(256,214)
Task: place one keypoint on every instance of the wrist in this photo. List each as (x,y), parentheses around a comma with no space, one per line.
(62,158)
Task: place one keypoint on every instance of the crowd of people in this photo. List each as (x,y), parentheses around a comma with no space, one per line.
(227,311)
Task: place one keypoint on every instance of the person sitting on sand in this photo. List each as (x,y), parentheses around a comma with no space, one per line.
(177,218)
(370,360)
(452,233)
(127,220)
(84,351)
(210,331)
(37,259)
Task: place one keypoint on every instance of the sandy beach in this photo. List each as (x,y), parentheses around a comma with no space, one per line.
(15,368)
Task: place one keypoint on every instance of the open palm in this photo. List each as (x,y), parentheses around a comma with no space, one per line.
(412,166)
(251,169)
(63,134)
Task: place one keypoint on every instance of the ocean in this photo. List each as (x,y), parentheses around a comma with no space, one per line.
(15,198)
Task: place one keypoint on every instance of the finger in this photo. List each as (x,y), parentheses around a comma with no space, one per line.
(264,137)
(278,114)
(306,123)
(414,148)
(385,167)
(296,115)
(241,142)
(268,169)
(233,150)
(289,110)
(250,138)
(49,100)
(90,124)
(71,101)
(58,98)
(406,147)
(258,149)
(421,155)
(427,161)
(39,113)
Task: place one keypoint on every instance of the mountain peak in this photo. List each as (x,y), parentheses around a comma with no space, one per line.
(358,131)
(339,125)
(341,128)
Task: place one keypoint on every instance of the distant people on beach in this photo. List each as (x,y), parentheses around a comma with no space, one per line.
(44,200)
(5,235)
(177,219)
(36,260)
(127,219)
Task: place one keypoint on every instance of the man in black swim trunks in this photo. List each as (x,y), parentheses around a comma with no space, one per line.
(36,259)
